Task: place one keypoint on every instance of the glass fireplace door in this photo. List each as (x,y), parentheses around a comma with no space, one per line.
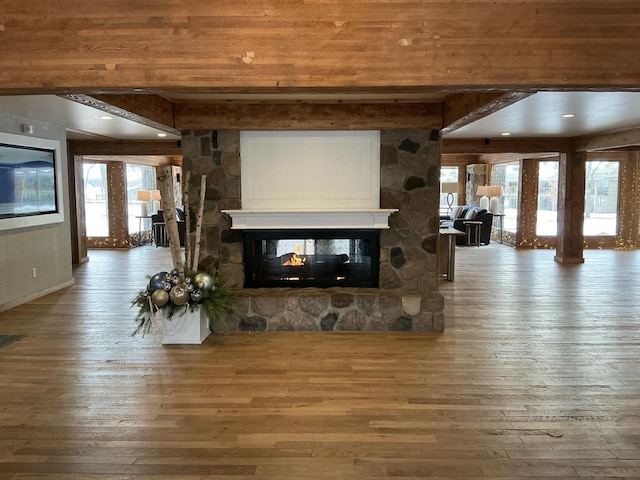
(311,258)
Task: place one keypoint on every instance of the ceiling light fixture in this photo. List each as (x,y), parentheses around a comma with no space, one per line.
(105,117)
(568,115)
(505,134)
(162,134)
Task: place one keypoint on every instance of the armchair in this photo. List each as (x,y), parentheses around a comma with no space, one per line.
(159,228)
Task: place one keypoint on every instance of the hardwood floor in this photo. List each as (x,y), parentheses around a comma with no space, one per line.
(537,375)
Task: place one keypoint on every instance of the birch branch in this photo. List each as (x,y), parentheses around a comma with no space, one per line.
(186,181)
(196,250)
(165,185)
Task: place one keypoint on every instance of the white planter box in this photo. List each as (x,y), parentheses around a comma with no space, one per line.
(190,328)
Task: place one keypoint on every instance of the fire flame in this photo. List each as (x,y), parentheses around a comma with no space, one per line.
(295,261)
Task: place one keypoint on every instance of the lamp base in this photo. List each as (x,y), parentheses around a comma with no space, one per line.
(484,202)
(494,205)
(143,209)
(449,202)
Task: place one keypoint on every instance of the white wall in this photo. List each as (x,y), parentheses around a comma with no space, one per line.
(46,248)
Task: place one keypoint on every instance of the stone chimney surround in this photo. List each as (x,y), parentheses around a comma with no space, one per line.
(407,298)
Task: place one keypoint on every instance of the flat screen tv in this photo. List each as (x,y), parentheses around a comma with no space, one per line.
(30,181)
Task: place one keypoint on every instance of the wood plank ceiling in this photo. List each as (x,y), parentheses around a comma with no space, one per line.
(404,64)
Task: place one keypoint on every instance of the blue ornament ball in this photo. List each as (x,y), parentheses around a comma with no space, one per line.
(156,282)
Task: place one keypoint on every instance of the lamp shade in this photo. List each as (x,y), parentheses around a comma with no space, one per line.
(155,195)
(495,191)
(482,190)
(450,187)
(144,195)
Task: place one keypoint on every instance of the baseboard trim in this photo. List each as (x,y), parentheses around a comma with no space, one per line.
(29,298)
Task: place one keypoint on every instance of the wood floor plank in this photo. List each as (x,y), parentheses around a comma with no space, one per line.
(537,375)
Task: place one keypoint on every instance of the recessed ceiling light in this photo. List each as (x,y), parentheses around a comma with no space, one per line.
(162,134)
(505,134)
(105,117)
(568,115)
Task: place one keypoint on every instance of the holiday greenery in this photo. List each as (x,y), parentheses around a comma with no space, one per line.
(173,294)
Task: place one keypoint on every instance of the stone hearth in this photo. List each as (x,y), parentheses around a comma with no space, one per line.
(407,299)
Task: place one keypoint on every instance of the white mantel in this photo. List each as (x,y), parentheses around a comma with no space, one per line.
(307,219)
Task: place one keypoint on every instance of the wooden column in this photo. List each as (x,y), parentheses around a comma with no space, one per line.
(570,241)
(528,211)
(629,203)
(118,220)
(77,219)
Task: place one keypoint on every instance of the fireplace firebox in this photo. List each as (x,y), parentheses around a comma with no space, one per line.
(311,258)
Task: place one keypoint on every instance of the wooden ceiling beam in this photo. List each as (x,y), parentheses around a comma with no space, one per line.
(510,145)
(609,141)
(306,116)
(151,110)
(126,147)
(461,109)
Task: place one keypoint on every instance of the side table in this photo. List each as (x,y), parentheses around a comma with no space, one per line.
(140,219)
(447,256)
(472,227)
(501,217)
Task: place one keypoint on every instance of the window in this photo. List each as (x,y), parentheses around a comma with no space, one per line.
(547,224)
(448,174)
(601,198)
(508,175)
(139,177)
(96,197)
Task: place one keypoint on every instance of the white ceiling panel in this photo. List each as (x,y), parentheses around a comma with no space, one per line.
(541,115)
(80,121)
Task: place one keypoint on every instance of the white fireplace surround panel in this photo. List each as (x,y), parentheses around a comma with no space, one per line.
(310,179)
(310,170)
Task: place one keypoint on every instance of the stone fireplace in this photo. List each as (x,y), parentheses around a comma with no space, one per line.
(406,296)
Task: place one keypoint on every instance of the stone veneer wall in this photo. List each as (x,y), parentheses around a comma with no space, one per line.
(476,176)
(408,298)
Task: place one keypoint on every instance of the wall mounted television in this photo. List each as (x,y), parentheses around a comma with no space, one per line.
(30,181)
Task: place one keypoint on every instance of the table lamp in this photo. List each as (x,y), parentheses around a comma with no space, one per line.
(450,188)
(484,200)
(493,192)
(144,196)
(155,197)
